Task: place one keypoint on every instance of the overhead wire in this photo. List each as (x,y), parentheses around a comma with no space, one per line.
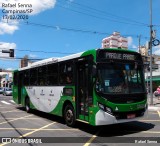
(19,58)
(102,18)
(49,52)
(82,6)
(67,29)
(79,30)
(104,12)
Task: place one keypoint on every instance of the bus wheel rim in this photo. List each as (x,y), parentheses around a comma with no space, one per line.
(69,116)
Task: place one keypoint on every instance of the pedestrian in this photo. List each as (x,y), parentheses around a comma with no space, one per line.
(158,91)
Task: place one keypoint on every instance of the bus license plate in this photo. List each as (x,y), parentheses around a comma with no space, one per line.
(130,116)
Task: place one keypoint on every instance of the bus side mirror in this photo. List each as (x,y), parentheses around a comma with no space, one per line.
(94,70)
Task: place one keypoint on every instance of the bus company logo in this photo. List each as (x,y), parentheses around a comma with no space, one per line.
(116,109)
(42,93)
(51,93)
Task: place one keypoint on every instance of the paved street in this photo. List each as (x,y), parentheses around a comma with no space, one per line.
(39,128)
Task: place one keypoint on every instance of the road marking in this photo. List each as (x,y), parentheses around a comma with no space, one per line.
(12,111)
(31,129)
(15,119)
(151,112)
(153,108)
(149,120)
(24,118)
(151,132)
(29,133)
(12,101)
(5,106)
(147,132)
(91,139)
(158,113)
(5,102)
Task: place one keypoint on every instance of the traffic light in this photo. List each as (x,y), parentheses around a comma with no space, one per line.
(11,53)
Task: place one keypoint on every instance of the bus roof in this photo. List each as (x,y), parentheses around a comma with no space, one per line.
(53,59)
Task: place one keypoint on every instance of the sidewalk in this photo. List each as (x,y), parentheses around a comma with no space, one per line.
(156,103)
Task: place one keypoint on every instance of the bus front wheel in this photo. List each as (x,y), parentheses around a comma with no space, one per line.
(27,105)
(69,115)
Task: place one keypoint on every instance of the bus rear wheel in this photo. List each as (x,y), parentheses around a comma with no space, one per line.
(69,115)
(27,105)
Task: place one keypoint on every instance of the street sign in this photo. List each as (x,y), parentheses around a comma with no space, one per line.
(155,42)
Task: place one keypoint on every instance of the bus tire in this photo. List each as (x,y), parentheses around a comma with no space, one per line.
(69,115)
(27,105)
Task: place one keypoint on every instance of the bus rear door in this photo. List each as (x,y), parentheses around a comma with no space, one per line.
(20,77)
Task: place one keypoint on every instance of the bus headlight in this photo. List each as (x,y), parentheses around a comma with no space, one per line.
(105,108)
(101,106)
(108,110)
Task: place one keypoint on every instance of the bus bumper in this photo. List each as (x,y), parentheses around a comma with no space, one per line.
(104,118)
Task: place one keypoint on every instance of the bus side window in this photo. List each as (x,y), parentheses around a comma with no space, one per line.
(66,73)
(42,75)
(15,78)
(26,77)
(52,74)
(33,77)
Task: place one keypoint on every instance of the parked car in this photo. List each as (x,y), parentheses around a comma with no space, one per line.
(1,90)
(7,91)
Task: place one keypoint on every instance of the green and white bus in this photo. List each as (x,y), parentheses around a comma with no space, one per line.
(98,87)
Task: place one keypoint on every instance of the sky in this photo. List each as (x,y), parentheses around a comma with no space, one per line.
(56,28)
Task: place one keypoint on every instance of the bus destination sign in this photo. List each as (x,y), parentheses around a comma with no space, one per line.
(121,56)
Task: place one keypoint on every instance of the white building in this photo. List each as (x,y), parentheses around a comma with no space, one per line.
(143,50)
(6,79)
(115,41)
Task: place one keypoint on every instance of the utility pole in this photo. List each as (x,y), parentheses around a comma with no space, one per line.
(150,46)
(139,43)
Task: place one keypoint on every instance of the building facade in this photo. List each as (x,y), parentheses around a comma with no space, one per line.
(115,41)
(6,78)
(143,50)
(25,62)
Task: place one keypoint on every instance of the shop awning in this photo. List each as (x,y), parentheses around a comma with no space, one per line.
(153,79)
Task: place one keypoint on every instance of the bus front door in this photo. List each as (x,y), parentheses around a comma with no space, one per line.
(82,91)
(19,87)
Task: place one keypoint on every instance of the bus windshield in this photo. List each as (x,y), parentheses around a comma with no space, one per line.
(120,78)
